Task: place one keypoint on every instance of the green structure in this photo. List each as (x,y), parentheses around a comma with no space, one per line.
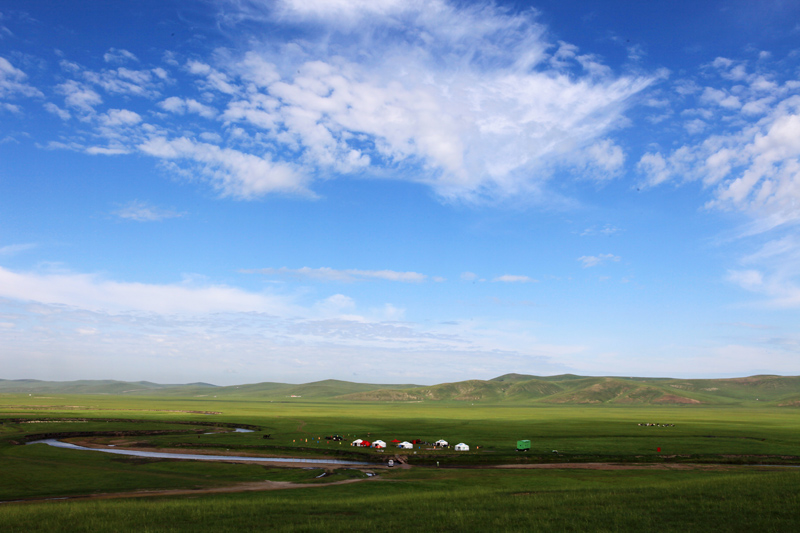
(523,445)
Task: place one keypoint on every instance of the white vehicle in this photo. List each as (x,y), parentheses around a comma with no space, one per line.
(391,462)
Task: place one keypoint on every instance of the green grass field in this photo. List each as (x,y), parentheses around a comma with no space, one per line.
(454,497)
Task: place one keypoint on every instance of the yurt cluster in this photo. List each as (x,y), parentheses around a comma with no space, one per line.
(408,445)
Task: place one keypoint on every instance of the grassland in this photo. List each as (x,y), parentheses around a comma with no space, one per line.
(457,496)
(456,500)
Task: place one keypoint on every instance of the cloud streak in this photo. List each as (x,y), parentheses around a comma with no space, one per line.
(588,261)
(510,278)
(349,275)
(144,212)
(13,249)
(89,291)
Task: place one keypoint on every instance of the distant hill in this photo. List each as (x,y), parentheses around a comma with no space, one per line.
(509,388)
(31,386)
(572,389)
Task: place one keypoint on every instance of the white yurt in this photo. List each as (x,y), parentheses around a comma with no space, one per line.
(356,442)
(461,447)
(378,444)
(441,443)
(405,445)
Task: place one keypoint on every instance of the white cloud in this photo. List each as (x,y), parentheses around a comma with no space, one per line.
(393,313)
(89,291)
(772,272)
(63,114)
(335,305)
(11,108)
(214,79)
(751,163)
(606,157)
(471,100)
(263,347)
(79,96)
(348,11)
(120,117)
(755,169)
(13,249)
(720,98)
(695,126)
(181,106)
(595,260)
(144,212)
(232,172)
(747,279)
(779,290)
(605,231)
(115,55)
(103,325)
(107,150)
(349,275)
(124,81)
(510,278)
(12,82)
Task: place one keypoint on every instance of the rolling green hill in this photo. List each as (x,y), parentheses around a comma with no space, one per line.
(510,388)
(34,386)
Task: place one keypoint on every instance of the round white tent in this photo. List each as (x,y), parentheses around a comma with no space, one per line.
(405,445)
(461,447)
(378,444)
(356,442)
(441,443)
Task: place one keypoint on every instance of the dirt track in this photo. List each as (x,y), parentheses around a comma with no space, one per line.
(240,487)
(287,485)
(611,466)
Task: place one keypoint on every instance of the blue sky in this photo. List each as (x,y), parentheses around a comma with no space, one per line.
(398,191)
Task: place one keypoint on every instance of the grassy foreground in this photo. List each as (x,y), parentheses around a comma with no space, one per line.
(456,501)
(727,498)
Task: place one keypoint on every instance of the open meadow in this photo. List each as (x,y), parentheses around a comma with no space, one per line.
(711,471)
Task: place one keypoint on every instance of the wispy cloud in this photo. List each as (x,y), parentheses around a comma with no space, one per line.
(487,108)
(13,249)
(233,172)
(604,231)
(595,260)
(13,82)
(115,55)
(509,278)
(752,163)
(772,272)
(184,348)
(92,292)
(181,106)
(145,212)
(349,275)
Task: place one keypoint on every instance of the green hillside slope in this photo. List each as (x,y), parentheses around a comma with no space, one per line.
(509,388)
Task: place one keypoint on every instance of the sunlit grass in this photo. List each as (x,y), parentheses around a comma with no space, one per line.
(457,501)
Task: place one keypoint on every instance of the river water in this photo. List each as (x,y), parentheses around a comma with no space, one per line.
(196,457)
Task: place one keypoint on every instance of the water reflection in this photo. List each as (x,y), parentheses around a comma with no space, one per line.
(196,457)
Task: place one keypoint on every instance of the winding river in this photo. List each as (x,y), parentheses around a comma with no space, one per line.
(196,457)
